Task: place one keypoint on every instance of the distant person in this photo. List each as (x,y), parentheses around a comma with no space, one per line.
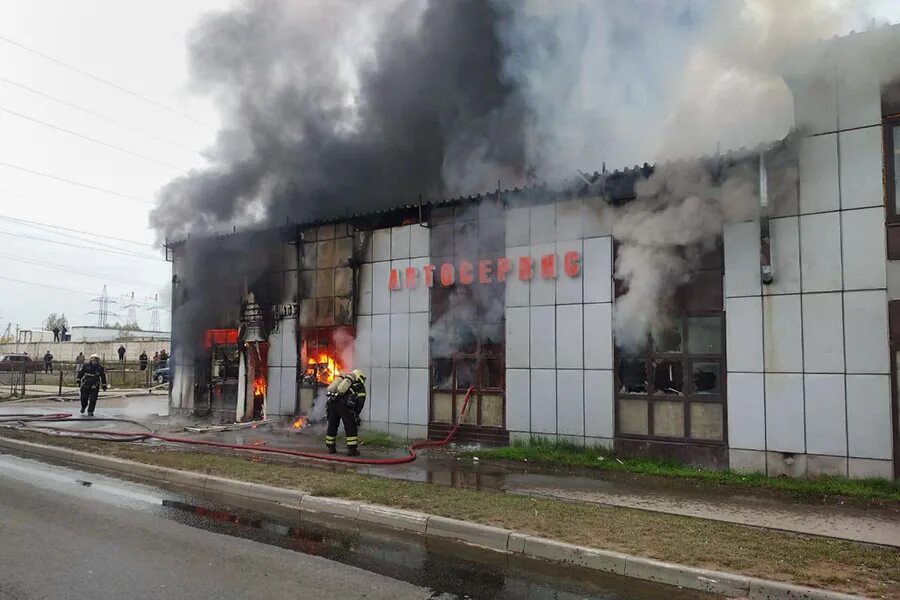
(155,362)
(48,362)
(55,333)
(142,359)
(79,360)
(121,354)
(90,378)
(62,333)
(163,356)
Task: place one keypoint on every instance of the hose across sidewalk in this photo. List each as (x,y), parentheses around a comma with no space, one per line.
(24,420)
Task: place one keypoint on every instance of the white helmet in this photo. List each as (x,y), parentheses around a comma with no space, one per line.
(97,356)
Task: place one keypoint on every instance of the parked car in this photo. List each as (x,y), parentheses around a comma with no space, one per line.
(15,362)
(161,373)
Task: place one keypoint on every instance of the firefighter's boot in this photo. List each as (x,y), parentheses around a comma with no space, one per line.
(352,451)
(332,449)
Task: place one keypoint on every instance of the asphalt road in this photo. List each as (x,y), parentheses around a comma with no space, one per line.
(59,539)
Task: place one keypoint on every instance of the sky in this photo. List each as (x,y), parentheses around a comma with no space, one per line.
(138,45)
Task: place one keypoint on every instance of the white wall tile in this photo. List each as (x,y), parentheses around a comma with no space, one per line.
(419,297)
(598,403)
(518,400)
(517,291)
(784,247)
(400,242)
(419,241)
(381,294)
(860,152)
(823,333)
(742,259)
(569,336)
(543,337)
(418,340)
(518,225)
(381,340)
(858,93)
(820,252)
(275,346)
(543,291)
(399,394)
(568,220)
(893,279)
(543,400)
(379,394)
(419,396)
(381,245)
(815,107)
(746,411)
(365,289)
(598,342)
(866,332)
(568,289)
(400,340)
(594,220)
(866,468)
(518,327)
(543,224)
(869,416)
(400,298)
(743,334)
(826,422)
(784,413)
(288,391)
(362,344)
(782,334)
(819,174)
(864,249)
(597,269)
(273,392)
(570,401)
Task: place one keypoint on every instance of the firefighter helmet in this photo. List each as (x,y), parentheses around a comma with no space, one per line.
(359,375)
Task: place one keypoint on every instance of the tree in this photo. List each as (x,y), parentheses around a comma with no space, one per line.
(55,321)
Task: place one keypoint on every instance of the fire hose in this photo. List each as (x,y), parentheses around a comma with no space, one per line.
(23,420)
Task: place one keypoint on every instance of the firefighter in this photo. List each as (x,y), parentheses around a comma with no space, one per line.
(91,376)
(346,398)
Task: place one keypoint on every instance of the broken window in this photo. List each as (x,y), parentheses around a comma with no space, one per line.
(673,389)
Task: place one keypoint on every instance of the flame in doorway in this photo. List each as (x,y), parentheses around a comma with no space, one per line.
(259,386)
(323,367)
(298,423)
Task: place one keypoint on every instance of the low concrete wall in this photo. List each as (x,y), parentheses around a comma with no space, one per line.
(67,351)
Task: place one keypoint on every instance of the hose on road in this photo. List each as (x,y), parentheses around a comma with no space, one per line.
(36,423)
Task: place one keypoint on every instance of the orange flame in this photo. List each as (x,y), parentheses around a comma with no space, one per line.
(298,423)
(259,386)
(324,366)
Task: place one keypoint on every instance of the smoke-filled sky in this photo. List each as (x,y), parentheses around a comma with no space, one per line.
(339,105)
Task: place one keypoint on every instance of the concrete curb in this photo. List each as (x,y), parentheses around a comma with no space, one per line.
(494,538)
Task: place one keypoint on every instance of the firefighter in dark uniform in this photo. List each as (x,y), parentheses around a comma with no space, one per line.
(91,376)
(346,398)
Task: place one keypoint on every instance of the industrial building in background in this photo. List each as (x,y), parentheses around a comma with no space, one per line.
(775,351)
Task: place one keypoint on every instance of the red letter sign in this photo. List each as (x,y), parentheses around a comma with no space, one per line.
(429,275)
(572,263)
(484,271)
(447,274)
(466,275)
(394,281)
(548,266)
(503,267)
(409,278)
(526,268)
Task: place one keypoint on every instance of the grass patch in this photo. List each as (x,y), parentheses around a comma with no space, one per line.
(562,453)
(374,439)
(804,560)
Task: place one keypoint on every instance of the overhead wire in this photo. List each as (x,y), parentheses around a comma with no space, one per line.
(78,271)
(47,285)
(68,229)
(105,82)
(75,183)
(79,237)
(98,115)
(91,139)
(95,249)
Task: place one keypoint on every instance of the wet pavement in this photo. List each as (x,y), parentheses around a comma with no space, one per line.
(79,535)
(879,525)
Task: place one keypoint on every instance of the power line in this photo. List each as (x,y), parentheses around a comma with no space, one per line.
(46,285)
(91,139)
(76,183)
(103,81)
(105,251)
(77,271)
(98,115)
(48,225)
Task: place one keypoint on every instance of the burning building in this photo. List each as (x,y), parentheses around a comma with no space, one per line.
(731,311)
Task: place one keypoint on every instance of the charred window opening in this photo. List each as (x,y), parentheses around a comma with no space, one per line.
(326,276)
(673,388)
(467,333)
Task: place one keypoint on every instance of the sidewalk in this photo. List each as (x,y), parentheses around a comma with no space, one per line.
(876,525)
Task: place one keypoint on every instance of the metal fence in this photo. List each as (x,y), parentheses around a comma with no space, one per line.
(38,380)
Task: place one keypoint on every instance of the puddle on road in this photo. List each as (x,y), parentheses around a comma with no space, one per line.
(450,570)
